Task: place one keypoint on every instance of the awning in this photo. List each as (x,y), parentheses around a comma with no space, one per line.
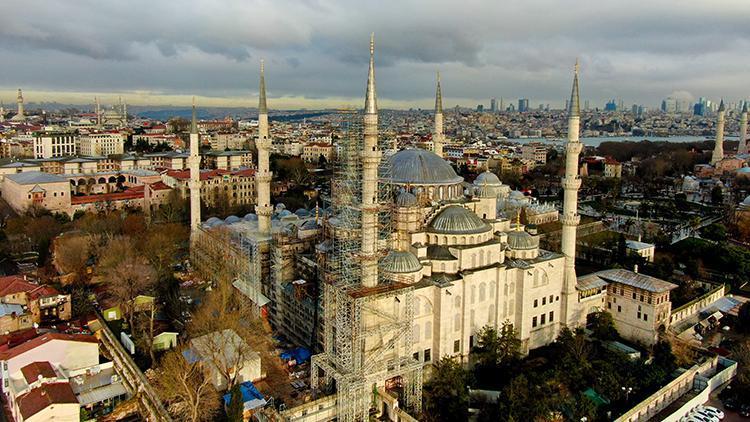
(100,394)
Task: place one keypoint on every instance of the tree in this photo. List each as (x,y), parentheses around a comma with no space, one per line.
(160,245)
(717,195)
(743,318)
(72,253)
(603,326)
(187,388)
(663,357)
(174,208)
(144,335)
(716,232)
(446,394)
(236,406)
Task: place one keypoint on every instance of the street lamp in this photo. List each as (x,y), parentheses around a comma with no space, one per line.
(627,392)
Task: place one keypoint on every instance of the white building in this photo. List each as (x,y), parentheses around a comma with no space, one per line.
(534,152)
(51,144)
(102,144)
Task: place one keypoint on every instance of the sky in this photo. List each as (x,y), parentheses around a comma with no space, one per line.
(160,52)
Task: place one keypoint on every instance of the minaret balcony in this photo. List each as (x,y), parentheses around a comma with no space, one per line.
(571,183)
(570,220)
(573,148)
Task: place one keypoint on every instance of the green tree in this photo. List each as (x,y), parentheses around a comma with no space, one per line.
(446,394)
(716,232)
(603,325)
(236,407)
(496,353)
(663,357)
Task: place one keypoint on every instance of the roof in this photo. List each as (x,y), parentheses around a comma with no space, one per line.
(634,244)
(43,339)
(456,219)
(14,284)
(421,167)
(522,240)
(488,178)
(400,262)
(200,346)
(33,371)
(590,281)
(439,252)
(44,396)
(35,177)
(637,280)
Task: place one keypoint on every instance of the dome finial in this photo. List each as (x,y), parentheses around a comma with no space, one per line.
(194,120)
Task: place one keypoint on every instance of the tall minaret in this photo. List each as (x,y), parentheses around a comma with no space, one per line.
(438,137)
(370,156)
(194,162)
(263,175)
(742,149)
(570,218)
(718,153)
(21,115)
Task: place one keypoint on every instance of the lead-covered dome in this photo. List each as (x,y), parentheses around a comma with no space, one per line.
(489,178)
(420,167)
(521,240)
(406,199)
(400,262)
(456,219)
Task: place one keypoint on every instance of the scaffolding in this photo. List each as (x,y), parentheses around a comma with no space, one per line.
(367,330)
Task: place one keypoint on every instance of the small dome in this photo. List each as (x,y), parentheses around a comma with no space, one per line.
(517,194)
(400,262)
(746,201)
(421,167)
(456,219)
(284,213)
(521,240)
(232,219)
(213,220)
(302,212)
(250,217)
(485,191)
(487,177)
(406,199)
(280,206)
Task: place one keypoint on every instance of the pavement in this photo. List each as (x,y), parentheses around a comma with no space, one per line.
(729,415)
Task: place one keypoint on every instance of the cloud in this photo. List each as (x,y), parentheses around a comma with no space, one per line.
(638,50)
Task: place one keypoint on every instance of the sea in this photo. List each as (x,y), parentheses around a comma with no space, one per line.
(595,142)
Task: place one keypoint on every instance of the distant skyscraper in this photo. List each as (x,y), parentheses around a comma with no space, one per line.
(586,105)
(501,104)
(493,105)
(699,109)
(523,104)
(480,108)
(669,105)
(611,106)
(634,109)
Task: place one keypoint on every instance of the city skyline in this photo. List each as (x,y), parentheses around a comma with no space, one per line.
(157,56)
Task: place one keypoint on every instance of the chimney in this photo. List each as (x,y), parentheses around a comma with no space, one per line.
(635,268)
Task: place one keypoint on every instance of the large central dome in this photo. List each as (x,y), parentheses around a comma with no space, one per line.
(420,167)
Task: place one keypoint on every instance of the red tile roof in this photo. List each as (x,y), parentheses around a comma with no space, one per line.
(43,291)
(159,186)
(43,339)
(46,395)
(135,192)
(208,174)
(33,371)
(15,284)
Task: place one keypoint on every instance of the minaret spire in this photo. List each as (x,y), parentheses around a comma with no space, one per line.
(370,156)
(98,111)
(438,137)
(371,100)
(742,148)
(194,184)
(571,182)
(263,176)
(718,153)
(20,115)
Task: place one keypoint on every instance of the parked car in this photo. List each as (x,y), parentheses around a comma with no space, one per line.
(745,410)
(702,417)
(710,410)
(730,403)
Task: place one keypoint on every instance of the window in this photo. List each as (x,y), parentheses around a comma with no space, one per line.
(471,342)
(416,356)
(456,346)
(482,291)
(428,330)
(634,296)
(645,317)
(457,322)
(544,300)
(415,333)
(642,298)
(533,322)
(427,356)
(544,319)
(551,316)
(557,298)
(609,305)
(536,302)
(473,293)
(619,308)
(550,298)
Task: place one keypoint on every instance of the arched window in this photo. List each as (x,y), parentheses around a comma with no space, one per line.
(416,306)
(482,291)
(473,260)
(427,307)
(428,330)
(492,290)
(415,333)
(491,314)
(481,257)
(473,294)
(457,302)
(457,322)
(505,290)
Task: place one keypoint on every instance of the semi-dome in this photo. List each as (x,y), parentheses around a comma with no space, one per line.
(421,167)
(232,219)
(250,217)
(406,199)
(302,212)
(517,194)
(521,240)
(489,178)
(400,262)
(456,219)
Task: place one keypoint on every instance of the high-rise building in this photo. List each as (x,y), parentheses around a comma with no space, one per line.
(493,105)
(480,108)
(669,105)
(611,106)
(523,105)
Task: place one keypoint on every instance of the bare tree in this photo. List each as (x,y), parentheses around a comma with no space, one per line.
(187,387)
(144,335)
(72,253)
(160,245)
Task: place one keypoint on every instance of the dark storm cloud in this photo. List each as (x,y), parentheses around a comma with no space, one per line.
(640,50)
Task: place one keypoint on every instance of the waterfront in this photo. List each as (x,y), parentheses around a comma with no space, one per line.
(595,142)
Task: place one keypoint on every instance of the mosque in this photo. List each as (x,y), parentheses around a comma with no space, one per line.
(455,258)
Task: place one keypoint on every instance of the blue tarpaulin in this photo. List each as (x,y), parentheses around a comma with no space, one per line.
(300,355)
(251,397)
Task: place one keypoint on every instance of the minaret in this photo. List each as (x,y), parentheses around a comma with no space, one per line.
(263,175)
(98,112)
(438,137)
(742,148)
(21,115)
(194,162)
(718,153)
(571,182)
(370,156)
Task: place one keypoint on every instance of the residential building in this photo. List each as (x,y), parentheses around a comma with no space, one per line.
(612,168)
(228,160)
(45,304)
(312,152)
(55,144)
(642,249)
(102,144)
(237,187)
(534,152)
(228,141)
